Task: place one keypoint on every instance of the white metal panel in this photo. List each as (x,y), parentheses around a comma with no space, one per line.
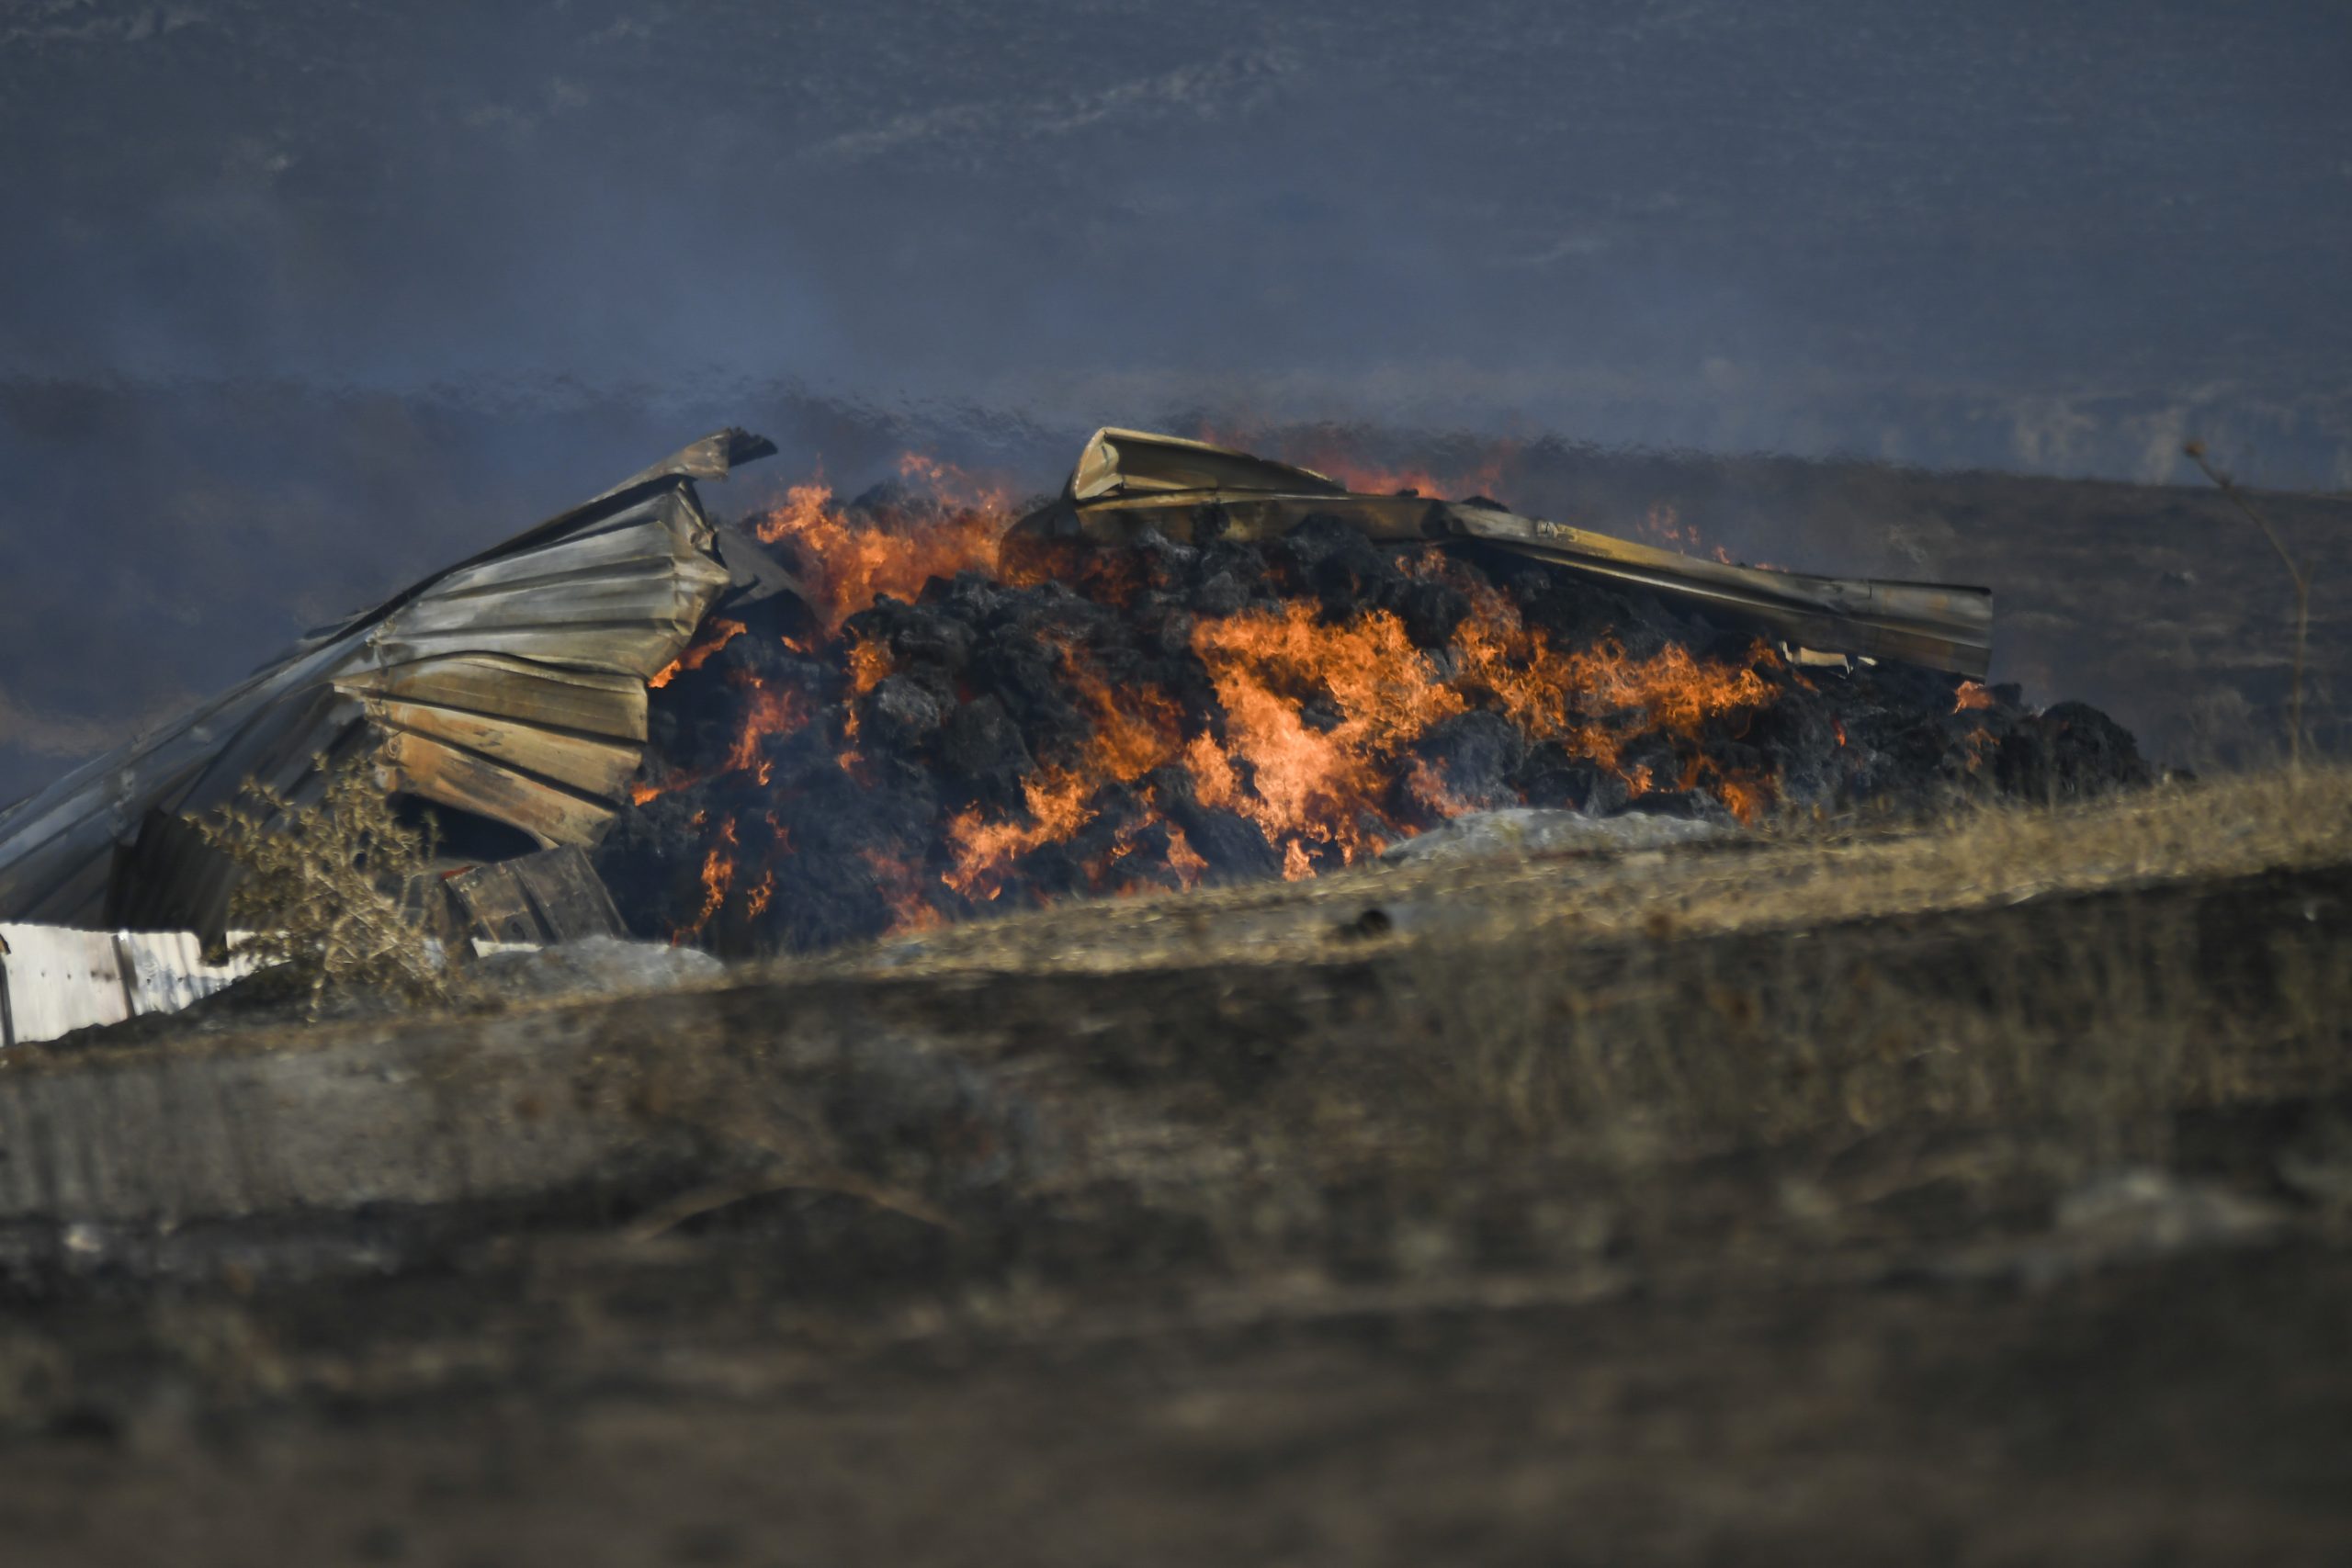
(167,970)
(61,980)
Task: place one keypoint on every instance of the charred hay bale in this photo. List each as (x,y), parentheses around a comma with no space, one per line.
(1432,609)
(1473,758)
(2070,751)
(980,748)
(1553,776)
(925,728)
(901,714)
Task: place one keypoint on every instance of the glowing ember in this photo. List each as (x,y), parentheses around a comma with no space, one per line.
(768,713)
(717,876)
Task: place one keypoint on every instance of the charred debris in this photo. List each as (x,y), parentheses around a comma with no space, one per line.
(835,720)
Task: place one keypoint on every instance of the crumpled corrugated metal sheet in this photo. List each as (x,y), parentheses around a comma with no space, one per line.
(511,685)
(1128,480)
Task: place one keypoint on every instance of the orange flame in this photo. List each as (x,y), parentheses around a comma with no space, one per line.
(1316,722)
(869,662)
(1318,791)
(768,712)
(847,562)
(900,886)
(716,634)
(1312,789)
(718,875)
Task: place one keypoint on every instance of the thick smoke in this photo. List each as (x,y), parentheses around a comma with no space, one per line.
(301,301)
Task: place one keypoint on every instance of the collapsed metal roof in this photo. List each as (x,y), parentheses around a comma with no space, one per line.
(511,685)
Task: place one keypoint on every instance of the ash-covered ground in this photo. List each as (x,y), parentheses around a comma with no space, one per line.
(953,722)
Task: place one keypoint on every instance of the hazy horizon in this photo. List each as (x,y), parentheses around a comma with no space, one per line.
(305,299)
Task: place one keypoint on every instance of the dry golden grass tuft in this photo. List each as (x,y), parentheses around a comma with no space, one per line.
(325,889)
(2099,969)
(2092,971)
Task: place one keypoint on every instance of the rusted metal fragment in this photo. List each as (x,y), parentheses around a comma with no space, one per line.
(1129,481)
(1942,626)
(758,576)
(279,748)
(544,695)
(58,981)
(712,458)
(412,764)
(1134,462)
(664,606)
(554,895)
(641,543)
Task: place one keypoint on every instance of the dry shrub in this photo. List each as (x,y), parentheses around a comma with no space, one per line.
(326,887)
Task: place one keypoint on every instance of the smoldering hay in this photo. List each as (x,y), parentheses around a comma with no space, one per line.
(950,718)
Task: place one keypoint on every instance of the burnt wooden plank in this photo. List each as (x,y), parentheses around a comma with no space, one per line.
(493,906)
(551,897)
(572,899)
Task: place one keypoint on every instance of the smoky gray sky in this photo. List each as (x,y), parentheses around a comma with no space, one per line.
(298,299)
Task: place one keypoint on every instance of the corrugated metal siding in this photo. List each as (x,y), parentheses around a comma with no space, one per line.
(554,631)
(57,979)
(166,970)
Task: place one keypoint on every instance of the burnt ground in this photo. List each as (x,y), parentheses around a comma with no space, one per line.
(1980,1195)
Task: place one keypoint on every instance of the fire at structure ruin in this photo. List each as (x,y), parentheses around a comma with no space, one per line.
(839,719)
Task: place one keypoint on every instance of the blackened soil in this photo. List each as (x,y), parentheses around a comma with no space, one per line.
(681,1406)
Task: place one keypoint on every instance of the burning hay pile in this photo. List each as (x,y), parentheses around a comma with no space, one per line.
(1194,665)
(948,716)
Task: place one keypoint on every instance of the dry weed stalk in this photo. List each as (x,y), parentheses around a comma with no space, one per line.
(323,887)
(2296,572)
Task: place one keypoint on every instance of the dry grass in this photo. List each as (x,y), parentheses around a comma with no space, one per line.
(325,889)
(1795,877)
(2108,1025)
(2081,975)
